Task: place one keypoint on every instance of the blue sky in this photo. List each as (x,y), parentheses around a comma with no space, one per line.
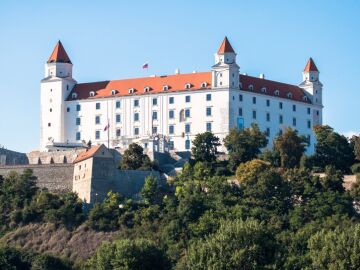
(112,39)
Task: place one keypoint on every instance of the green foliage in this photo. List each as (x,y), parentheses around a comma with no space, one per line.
(205,147)
(138,254)
(250,170)
(291,148)
(244,145)
(47,262)
(135,159)
(236,245)
(150,191)
(332,149)
(337,249)
(355,169)
(355,144)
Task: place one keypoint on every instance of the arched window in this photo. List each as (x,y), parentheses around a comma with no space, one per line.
(131,91)
(74,95)
(146,89)
(289,95)
(113,92)
(251,87)
(165,87)
(305,98)
(92,93)
(187,86)
(263,90)
(203,84)
(276,92)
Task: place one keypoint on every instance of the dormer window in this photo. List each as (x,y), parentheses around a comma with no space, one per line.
(146,89)
(240,85)
(74,95)
(165,87)
(92,93)
(305,98)
(276,92)
(187,86)
(289,95)
(203,84)
(251,87)
(131,91)
(113,92)
(263,90)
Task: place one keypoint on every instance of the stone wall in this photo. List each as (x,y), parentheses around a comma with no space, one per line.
(54,177)
(8,157)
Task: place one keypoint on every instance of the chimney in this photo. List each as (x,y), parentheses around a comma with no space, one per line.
(262,76)
(177,71)
(194,71)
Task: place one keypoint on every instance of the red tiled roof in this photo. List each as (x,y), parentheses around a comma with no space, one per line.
(310,66)
(176,83)
(267,87)
(225,47)
(87,154)
(59,55)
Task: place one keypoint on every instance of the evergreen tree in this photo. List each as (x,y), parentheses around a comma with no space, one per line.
(205,147)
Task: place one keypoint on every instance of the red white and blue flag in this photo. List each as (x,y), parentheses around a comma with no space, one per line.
(107,127)
(145,65)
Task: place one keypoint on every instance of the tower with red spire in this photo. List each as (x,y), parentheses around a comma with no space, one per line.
(225,72)
(313,89)
(55,88)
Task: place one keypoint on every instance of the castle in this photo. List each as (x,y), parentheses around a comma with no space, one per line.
(175,107)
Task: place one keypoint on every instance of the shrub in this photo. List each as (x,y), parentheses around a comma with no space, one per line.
(355,169)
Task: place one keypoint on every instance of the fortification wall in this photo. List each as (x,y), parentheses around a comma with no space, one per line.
(8,157)
(54,177)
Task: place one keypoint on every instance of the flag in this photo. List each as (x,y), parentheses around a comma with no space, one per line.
(107,127)
(146,65)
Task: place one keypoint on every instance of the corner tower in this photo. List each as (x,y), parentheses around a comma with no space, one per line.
(313,89)
(225,72)
(55,88)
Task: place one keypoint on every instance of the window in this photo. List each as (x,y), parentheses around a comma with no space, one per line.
(118,118)
(187,144)
(187,98)
(240,112)
(97,134)
(171,129)
(203,85)
(208,97)
(267,132)
(131,91)
(154,101)
(118,132)
(277,92)
(136,103)
(113,92)
(92,93)
(154,130)
(146,89)
(317,112)
(280,105)
(97,106)
(49,124)
(187,86)
(289,95)
(208,111)
(187,113)
(308,110)
(254,114)
(171,114)
(308,139)
(171,100)
(68,109)
(208,127)
(78,121)
(117,104)
(280,132)
(67,87)
(294,121)
(136,116)
(308,123)
(281,120)
(78,136)
(154,115)
(240,97)
(263,90)
(136,131)
(240,85)
(251,87)
(254,100)
(187,128)
(50,110)
(294,108)
(165,87)
(268,103)
(268,117)
(97,119)
(78,107)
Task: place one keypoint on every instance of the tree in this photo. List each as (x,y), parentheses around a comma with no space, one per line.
(205,147)
(236,245)
(47,262)
(244,145)
(251,169)
(332,149)
(355,144)
(336,249)
(135,159)
(150,190)
(138,254)
(291,148)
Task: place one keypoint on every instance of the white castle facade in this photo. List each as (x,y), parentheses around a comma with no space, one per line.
(175,107)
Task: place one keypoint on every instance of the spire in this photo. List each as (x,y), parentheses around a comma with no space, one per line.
(225,47)
(310,66)
(59,55)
